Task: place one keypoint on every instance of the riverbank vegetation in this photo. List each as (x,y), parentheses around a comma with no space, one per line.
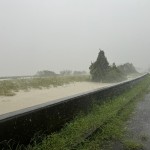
(102,128)
(10,87)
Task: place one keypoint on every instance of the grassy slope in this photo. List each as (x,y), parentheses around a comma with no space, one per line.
(109,118)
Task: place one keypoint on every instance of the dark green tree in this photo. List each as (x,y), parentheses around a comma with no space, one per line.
(114,74)
(100,67)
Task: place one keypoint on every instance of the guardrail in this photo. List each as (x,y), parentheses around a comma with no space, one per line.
(21,125)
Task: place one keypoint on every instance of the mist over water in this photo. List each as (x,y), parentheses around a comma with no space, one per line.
(57,35)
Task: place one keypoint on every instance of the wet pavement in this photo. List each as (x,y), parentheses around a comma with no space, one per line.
(139,124)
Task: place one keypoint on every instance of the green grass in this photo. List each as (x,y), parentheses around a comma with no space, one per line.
(10,87)
(132,145)
(108,119)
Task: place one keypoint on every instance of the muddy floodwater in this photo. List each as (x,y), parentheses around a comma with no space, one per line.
(24,99)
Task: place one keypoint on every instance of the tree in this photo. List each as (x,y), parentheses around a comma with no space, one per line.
(65,73)
(79,73)
(127,68)
(114,74)
(100,67)
(45,73)
(100,70)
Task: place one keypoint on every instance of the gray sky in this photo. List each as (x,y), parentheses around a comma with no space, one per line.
(67,34)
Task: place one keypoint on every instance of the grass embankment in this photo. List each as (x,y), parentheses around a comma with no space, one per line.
(105,122)
(9,87)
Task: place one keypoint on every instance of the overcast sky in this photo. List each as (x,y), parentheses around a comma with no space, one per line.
(67,34)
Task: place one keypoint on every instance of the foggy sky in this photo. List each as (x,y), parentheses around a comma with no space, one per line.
(67,34)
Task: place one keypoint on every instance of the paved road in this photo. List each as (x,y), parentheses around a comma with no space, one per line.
(139,124)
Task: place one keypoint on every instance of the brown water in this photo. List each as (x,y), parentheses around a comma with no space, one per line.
(33,97)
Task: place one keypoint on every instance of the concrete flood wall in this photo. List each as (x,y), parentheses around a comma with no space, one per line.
(20,126)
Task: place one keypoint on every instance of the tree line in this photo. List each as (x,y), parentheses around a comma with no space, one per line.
(102,71)
(46,73)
